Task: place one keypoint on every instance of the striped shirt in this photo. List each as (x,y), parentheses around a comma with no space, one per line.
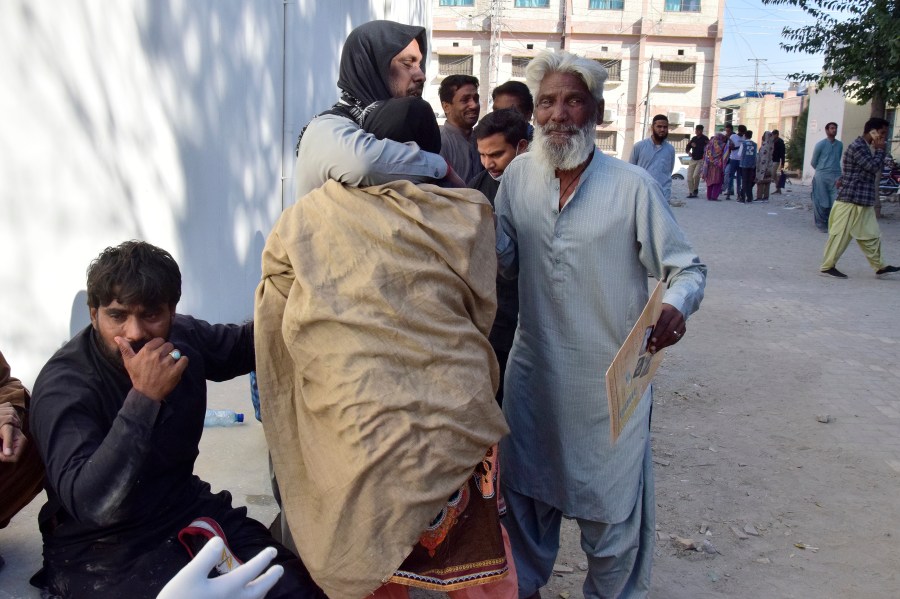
(861,170)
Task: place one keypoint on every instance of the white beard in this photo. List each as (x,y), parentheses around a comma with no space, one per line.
(567,156)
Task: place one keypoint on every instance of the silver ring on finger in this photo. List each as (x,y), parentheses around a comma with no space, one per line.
(176,355)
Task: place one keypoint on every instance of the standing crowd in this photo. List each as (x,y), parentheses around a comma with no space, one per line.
(733,161)
(430,333)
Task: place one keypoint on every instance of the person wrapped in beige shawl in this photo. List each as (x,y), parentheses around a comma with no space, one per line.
(377,382)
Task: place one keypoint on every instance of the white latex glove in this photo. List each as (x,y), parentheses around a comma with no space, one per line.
(241,583)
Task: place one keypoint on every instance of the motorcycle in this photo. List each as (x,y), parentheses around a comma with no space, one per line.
(890,178)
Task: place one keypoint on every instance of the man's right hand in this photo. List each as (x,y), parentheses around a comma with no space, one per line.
(154,373)
(12,439)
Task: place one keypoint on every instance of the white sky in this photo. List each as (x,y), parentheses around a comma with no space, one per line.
(753,30)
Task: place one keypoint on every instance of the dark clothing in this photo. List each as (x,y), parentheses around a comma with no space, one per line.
(697,146)
(486,184)
(504,329)
(405,120)
(860,167)
(460,151)
(120,480)
(748,179)
(778,153)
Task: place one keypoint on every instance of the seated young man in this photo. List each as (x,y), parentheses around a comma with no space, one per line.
(117,415)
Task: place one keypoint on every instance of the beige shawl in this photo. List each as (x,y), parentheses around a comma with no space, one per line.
(376,377)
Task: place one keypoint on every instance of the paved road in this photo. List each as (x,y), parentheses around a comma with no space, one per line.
(773,346)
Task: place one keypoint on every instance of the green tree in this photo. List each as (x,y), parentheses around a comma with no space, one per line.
(861,43)
(795,147)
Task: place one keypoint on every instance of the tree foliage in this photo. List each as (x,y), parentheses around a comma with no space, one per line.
(795,147)
(861,43)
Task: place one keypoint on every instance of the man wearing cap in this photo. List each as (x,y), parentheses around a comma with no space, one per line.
(117,415)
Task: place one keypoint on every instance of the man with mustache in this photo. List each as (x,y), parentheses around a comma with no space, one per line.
(582,230)
(501,136)
(461,103)
(656,155)
(380,60)
(117,415)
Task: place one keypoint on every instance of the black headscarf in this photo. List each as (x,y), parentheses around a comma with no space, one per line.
(403,120)
(367,54)
(366,66)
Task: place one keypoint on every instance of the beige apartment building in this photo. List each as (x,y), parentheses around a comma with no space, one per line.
(662,55)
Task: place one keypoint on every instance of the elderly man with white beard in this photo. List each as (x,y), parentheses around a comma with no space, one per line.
(581,230)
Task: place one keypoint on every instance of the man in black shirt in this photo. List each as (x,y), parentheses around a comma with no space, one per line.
(696,147)
(778,154)
(117,415)
(501,136)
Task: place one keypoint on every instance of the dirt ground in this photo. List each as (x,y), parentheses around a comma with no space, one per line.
(739,449)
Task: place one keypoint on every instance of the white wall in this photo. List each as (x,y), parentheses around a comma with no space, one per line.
(158,120)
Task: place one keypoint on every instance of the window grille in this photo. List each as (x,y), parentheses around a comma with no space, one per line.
(677,72)
(518,65)
(683,5)
(679,142)
(456,3)
(454,64)
(606,141)
(532,3)
(613,67)
(607,4)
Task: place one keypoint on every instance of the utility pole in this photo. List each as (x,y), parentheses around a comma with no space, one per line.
(496,28)
(647,97)
(756,74)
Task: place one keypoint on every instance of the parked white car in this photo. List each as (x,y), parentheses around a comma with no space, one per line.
(679,171)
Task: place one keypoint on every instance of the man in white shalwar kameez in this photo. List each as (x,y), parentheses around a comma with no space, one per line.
(582,230)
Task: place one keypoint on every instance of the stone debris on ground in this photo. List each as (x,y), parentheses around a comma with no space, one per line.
(825,418)
(751,530)
(739,533)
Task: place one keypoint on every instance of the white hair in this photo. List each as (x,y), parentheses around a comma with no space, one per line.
(567,155)
(590,71)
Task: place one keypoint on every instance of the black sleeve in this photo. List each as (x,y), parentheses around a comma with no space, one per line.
(227,350)
(89,471)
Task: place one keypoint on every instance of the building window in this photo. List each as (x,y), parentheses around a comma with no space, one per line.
(532,3)
(683,73)
(457,3)
(613,67)
(683,5)
(518,65)
(679,142)
(454,64)
(606,141)
(607,4)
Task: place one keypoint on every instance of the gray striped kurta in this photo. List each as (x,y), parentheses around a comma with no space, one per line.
(582,276)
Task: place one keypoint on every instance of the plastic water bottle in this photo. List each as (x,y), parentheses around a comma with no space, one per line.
(222,418)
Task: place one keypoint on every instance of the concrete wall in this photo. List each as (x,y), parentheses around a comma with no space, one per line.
(830,105)
(169,121)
